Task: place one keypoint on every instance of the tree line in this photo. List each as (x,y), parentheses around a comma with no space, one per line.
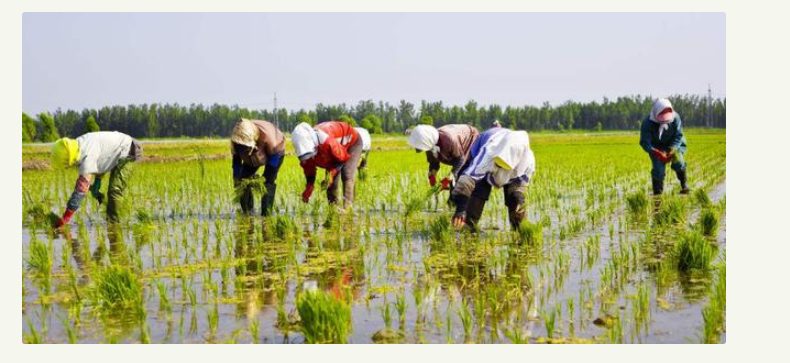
(197,120)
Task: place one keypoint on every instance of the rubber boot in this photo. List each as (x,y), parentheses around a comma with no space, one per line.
(658,186)
(267,202)
(474,210)
(684,188)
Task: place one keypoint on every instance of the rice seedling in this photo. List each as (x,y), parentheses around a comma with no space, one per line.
(324,318)
(701,198)
(693,252)
(549,320)
(708,222)
(116,287)
(195,256)
(672,211)
(637,203)
(530,234)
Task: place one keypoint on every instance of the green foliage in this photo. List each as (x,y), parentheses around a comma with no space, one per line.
(348,119)
(91,125)
(530,234)
(40,259)
(672,211)
(693,252)
(439,229)
(49,132)
(28,128)
(116,287)
(708,222)
(324,318)
(701,198)
(637,203)
(197,120)
(372,123)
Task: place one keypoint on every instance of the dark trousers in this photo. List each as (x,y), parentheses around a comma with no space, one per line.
(270,171)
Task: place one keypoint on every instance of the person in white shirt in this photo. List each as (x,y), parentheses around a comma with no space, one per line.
(96,154)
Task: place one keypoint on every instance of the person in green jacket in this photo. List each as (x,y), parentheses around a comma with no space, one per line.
(662,138)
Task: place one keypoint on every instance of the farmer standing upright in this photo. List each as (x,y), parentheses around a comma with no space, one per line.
(95,154)
(662,138)
(334,146)
(499,158)
(449,144)
(256,143)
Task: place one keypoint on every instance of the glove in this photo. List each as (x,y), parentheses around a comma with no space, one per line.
(308,191)
(432,180)
(65,219)
(446,184)
(660,155)
(459,219)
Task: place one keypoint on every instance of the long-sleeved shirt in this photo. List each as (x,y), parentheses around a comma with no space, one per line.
(671,138)
(271,142)
(455,143)
(334,140)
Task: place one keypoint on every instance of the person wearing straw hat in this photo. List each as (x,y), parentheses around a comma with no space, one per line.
(95,154)
(256,143)
(449,144)
(331,145)
(662,139)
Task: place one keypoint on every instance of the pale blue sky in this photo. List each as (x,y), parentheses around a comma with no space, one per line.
(96,59)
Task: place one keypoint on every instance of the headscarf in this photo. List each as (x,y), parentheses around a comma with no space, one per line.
(507,156)
(65,152)
(659,105)
(365,136)
(305,141)
(245,133)
(424,138)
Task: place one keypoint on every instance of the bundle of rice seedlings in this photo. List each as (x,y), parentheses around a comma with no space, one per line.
(693,252)
(324,318)
(529,233)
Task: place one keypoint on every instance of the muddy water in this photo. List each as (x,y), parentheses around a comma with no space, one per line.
(388,266)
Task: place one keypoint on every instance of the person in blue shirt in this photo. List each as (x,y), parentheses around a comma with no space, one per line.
(662,139)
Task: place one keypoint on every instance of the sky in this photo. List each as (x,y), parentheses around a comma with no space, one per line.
(90,60)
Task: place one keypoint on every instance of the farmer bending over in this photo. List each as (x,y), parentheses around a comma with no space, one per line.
(500,158)
(662,138)
(334,146)
(450,145)
(95,154)
(367,144)
(256,143)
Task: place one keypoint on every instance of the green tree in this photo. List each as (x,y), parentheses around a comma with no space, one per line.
(152,124)
(28,128)
(372,123)
(91,125)
(49,132)
(348,119)
(426,120)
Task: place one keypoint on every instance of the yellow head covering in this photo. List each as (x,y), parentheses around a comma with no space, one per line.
(65,152)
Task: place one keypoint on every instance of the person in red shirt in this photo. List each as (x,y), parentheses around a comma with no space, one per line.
(334,146)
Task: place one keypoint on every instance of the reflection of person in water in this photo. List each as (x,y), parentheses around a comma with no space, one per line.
(254,270)
(346,276)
